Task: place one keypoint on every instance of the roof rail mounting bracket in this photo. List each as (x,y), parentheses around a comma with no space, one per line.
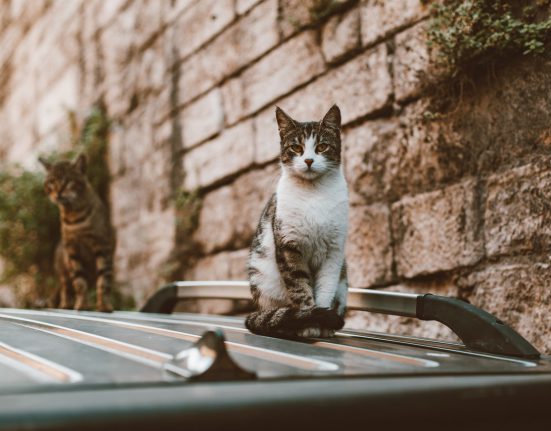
(208,360)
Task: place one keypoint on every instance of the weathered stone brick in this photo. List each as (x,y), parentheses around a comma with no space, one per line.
(138,137)
(52,108)
(290,65)
(517,293)
(125,206)
(341,35)
(227,265)
(173,9)
(242,6)
(257,32)
(148,20)
(266,139)
(236,47)
(385,159)
(232,99)
(25,14)
(200,22)
(143,249)
(118,39)
(437,231)
(414,65)
(105,11)
(118,44)
(152,66)
(203,118)
(296,14)
(234,210)
(221,157)
(347,86)
(156,188)
(369,248)
(115,151)
(366,152)
(221,266)
(380,18)
(517,216)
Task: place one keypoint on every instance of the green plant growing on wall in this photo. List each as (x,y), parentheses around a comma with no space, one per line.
(29,232)
(29,222)
(91,138)
(188,207)
(471,33)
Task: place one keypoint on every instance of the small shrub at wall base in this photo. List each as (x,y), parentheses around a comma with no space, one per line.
(471,33)
(29,232)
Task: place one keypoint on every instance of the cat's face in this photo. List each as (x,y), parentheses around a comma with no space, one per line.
(66,182)
(310,150)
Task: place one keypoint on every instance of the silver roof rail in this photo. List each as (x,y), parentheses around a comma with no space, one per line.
(479,330)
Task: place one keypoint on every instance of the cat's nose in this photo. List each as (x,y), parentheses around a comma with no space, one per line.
(309,162)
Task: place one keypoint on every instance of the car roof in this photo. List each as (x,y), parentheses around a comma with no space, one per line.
(61,347)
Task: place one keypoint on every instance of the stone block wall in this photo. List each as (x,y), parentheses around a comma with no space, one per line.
(457,205)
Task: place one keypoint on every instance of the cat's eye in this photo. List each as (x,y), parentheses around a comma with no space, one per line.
(321,148)
(296,148)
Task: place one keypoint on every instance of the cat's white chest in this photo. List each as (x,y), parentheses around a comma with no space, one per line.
(316,217)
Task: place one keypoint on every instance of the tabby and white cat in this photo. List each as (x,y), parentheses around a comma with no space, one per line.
(297,270)
(85,254)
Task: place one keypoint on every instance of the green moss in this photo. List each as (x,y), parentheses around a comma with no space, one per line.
(471,33)
(29,233)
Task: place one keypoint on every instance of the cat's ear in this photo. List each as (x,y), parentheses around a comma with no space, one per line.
(47,165)
(284,122)
(332,119)
(80,163)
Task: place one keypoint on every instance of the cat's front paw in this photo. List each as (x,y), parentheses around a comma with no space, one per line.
(81,304)
(104,307)
(327,333)
(309,332)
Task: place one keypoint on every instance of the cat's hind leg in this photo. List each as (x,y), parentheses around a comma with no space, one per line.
(104,281)
(339,304)
(77,275)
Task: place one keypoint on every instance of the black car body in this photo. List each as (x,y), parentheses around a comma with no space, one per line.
(142,370)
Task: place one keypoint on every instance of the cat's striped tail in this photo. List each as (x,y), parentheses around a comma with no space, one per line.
(286,320)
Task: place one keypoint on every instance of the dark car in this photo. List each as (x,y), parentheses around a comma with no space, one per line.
(154,370)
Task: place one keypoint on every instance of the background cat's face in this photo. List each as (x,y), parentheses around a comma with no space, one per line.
(310,150)
(65,182)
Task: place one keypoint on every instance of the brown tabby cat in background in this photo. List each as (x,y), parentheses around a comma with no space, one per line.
(85,254)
